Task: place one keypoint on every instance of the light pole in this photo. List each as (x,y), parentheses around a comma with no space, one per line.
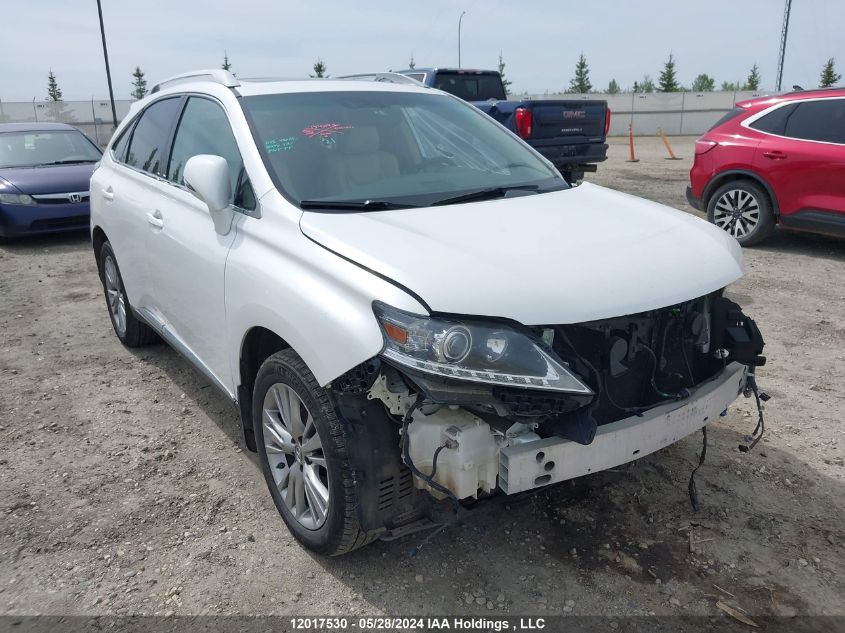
(106,56)
(460,19)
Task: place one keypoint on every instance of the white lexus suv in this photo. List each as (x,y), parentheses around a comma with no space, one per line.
(409,305)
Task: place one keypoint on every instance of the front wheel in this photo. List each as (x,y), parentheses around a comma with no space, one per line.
(302,448)
(742,208)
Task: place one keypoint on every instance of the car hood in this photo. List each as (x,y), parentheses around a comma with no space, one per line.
(564,257)
(55,179)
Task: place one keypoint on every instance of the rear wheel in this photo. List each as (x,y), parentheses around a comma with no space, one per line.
(302,447)
(130,331)
(743,209)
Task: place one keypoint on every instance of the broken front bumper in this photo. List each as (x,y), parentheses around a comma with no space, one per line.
(534,464)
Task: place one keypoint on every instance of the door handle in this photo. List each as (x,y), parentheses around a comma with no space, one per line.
(774,155)
(108,194)
(155,219)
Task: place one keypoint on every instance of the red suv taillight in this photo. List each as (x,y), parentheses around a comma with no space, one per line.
(524,120)
(607,122)
(703,145)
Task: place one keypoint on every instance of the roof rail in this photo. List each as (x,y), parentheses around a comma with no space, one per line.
(217,75)
(394,78)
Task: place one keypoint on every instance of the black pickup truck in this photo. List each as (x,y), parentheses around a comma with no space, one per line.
(572,133)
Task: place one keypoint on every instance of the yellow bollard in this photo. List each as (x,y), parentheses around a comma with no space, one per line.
(671,155)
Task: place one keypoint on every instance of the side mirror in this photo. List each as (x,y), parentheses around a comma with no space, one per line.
(208,178)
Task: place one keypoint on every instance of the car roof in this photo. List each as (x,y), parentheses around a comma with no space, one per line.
(275,86)
(213,81)
(35,127)
(463,71)
(795,95)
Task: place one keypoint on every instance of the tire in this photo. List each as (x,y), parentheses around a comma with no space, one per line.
(310,481)
(743,209)
(130,331)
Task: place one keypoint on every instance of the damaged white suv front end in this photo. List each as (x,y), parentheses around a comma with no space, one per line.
(406,302)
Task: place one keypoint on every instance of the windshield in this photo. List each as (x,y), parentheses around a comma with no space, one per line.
(33,149)
(388,147)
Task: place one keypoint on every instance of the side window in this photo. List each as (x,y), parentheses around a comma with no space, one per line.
(204,129)
(149,139)
(775,121)
(822,120)
(119,148)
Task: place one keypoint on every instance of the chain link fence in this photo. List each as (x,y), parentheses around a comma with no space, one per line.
(675,112)
(93,117)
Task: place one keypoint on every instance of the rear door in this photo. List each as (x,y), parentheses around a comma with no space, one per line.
(126,188)
(802,155)
(187,256)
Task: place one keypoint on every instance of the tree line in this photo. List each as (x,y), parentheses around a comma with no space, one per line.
(668,80)
(580,83)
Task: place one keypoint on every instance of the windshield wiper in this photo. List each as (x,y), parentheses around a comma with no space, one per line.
(354,205)
(484,194)
(74,161)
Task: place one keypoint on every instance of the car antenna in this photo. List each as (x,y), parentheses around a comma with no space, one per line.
(797,88)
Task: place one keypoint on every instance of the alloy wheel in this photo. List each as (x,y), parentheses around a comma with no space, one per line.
(737,211)
(114,294)
(295,455)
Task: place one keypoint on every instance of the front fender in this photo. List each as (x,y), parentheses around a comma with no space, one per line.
(316,301)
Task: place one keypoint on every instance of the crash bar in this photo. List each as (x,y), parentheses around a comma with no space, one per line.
(217,75)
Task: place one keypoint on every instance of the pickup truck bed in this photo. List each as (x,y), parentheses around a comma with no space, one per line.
(571,133)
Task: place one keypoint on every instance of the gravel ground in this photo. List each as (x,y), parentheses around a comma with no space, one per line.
(126,487)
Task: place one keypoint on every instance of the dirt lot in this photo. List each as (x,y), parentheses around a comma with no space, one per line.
(125,487)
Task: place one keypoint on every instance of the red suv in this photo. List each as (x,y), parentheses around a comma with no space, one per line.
(774,161)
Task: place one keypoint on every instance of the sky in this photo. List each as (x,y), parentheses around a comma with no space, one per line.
(540,40)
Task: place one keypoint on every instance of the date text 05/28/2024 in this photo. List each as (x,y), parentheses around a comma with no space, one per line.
(385,623)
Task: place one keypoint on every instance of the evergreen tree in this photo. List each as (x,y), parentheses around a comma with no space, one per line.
(55,104)
(829,76)
(647,84)
(411,63)
(226,65)
(319,68)
(54,93)
(730,86)
(668,77)
(753,81)
(580,83)
(704,83)
(613,88)
(139,84)
(505,82)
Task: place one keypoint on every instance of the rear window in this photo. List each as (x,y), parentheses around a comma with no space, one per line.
(471,87)
(732,114)
(822,120)
(775,121)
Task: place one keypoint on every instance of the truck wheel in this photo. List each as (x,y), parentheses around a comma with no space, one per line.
(742,208)
(302,448)
(130,331)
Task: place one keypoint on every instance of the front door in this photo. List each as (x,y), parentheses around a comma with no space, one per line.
(187,255)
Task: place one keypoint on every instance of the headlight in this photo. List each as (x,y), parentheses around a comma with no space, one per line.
(474,351)
(16,198)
